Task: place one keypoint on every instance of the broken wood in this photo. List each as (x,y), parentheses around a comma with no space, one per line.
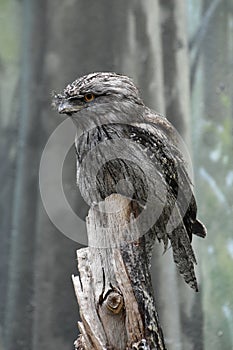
(114,288)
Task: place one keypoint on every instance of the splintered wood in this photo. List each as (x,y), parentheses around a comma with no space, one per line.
(113,288)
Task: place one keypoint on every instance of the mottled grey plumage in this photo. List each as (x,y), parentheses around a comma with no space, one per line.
(123,140)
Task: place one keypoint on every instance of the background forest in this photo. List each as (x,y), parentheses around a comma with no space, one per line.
(180,54)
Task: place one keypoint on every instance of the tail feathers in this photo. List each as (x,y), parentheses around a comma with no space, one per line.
(199,229)
(183,255)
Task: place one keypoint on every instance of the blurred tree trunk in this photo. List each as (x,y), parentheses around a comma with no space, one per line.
(9,85)
(177,97)
(19,304)
(176,65)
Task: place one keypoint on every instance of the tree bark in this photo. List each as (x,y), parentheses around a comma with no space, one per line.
(114,289)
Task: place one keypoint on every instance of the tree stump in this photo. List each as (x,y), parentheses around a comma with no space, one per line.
(114,289)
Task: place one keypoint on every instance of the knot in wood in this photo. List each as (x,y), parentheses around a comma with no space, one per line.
(114,302)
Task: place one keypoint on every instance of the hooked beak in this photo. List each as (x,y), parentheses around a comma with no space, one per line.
(67,107)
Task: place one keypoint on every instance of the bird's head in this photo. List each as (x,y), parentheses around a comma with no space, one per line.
(99,95)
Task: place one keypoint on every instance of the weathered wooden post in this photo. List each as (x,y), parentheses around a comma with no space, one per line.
(114,288)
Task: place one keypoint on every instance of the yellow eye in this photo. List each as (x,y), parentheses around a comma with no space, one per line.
(89,97)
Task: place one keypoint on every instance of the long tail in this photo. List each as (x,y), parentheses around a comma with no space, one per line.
(183,255)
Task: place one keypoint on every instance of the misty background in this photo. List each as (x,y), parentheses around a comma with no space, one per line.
(180,54)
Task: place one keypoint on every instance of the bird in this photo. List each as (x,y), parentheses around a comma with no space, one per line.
(125,147)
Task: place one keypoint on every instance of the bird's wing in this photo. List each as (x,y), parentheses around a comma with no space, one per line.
(180,215)
(162,129)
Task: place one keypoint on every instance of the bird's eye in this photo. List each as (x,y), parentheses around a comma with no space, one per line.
(89,97)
